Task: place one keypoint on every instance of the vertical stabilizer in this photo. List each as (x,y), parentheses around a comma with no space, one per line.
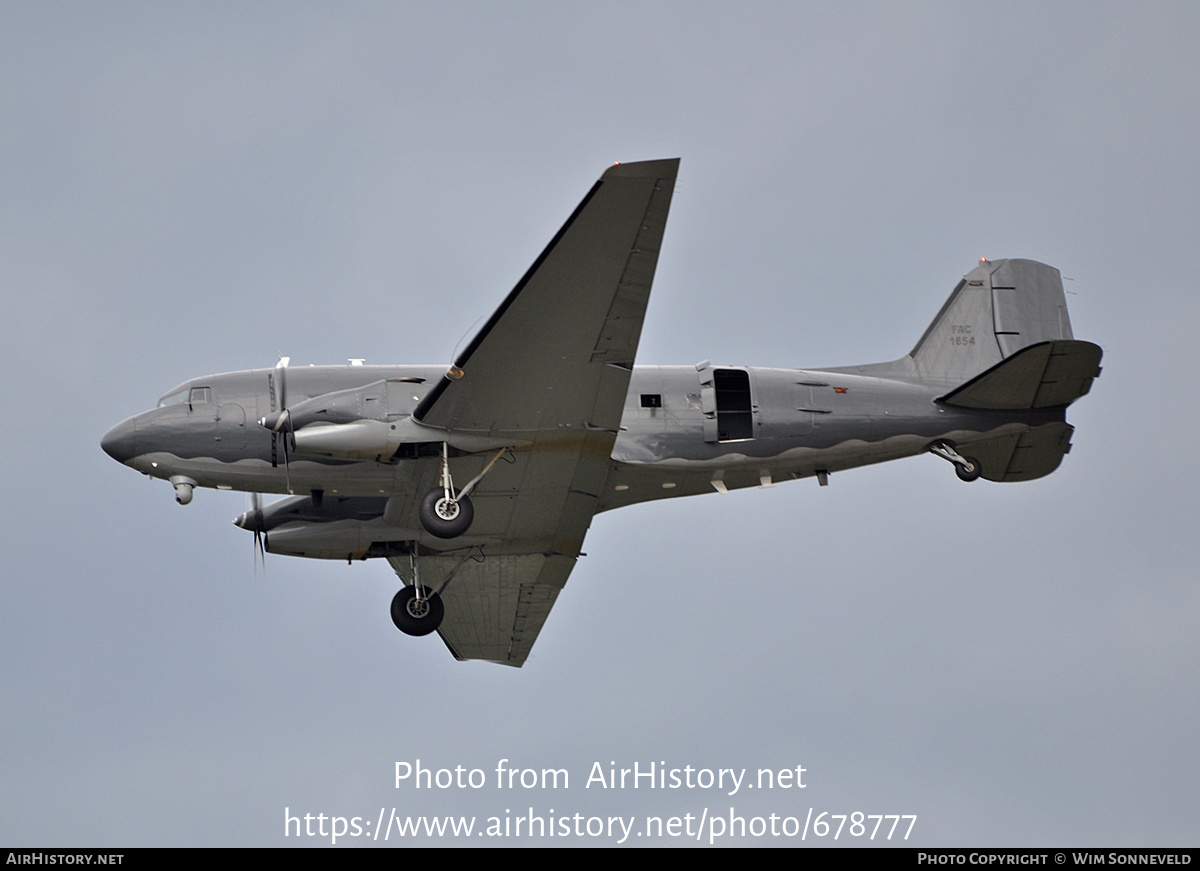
(997,309)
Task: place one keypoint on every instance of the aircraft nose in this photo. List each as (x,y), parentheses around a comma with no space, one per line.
(120,442)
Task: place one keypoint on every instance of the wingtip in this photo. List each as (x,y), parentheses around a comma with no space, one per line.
(667,168)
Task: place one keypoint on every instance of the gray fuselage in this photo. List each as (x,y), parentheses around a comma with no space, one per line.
(684,429)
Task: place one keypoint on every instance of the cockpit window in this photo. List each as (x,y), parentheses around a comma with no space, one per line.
(174,398)
(198,394)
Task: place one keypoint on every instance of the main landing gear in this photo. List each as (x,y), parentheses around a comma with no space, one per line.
(418,609)
(444,513)
(967,468)
(417,612)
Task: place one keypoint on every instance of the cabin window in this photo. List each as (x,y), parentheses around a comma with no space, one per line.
(179,396)
(651,400)
(198,394)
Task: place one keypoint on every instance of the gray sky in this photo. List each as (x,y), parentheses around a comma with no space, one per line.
(193,188)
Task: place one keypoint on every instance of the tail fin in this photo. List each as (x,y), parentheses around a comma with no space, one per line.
(997,309)
(1003,342)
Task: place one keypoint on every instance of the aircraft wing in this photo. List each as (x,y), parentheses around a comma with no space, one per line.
(560,347)
(549,370)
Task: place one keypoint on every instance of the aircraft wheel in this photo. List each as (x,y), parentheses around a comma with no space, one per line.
(414,616)
(969,472)
(445,518)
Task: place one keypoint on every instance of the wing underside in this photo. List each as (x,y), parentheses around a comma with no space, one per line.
(495,605)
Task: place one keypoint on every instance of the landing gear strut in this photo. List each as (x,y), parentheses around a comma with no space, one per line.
(967,468)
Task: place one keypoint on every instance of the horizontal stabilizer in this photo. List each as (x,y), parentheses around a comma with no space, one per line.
(1045,375)
(1031,454)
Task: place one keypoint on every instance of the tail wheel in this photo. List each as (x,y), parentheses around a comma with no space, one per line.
(415,615)
(969,470)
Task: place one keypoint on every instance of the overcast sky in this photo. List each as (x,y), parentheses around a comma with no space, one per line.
(194,188)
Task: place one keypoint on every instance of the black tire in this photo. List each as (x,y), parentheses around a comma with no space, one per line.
(435,514)
(971,471)
(417,618)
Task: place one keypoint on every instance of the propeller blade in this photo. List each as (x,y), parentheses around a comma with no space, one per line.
(281,420)
(289,434)
(257,515)
(281,380)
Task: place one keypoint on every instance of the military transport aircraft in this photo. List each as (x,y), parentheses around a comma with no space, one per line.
(477,483)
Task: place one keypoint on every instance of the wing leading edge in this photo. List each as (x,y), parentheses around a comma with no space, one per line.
(549,370)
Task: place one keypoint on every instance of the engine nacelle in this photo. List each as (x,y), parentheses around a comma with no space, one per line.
(338,527)
(356,424)
(368,423)
(358,440)
(378,400)
(341,539)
